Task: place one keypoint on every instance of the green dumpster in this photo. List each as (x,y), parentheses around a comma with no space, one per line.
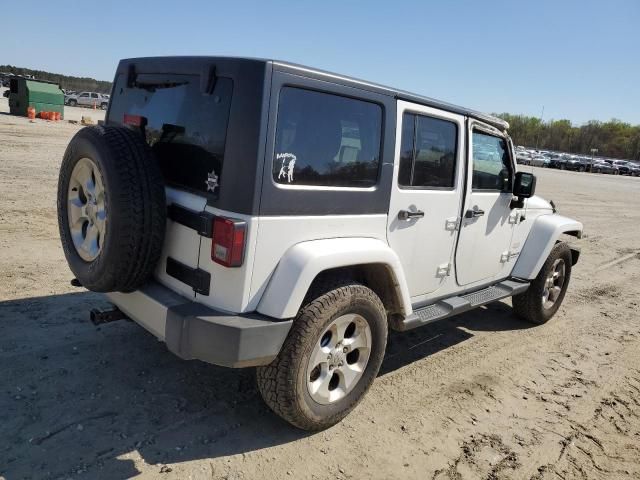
(43,96)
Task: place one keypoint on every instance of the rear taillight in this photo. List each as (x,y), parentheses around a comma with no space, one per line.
(227,247)
(134,120)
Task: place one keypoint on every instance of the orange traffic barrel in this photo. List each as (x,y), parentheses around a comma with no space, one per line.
(31,113)
(58,116)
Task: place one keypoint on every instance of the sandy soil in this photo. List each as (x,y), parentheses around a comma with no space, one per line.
(482,396)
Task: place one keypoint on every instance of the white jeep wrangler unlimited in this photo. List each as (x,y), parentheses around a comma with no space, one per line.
(258,213)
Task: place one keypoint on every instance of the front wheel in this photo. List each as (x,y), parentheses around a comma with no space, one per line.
(544,296)
(330,358)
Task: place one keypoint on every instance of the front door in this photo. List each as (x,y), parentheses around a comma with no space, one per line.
(426,194)
(487,224)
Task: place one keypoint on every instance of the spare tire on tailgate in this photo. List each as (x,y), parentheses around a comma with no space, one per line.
(111,208)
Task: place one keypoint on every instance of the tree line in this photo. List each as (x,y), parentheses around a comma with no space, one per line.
(67,82)
(614,139)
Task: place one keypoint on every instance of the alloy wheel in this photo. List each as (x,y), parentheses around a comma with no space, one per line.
(553,284)
(339,359)
(86,210)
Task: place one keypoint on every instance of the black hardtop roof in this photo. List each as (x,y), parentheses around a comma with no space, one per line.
(201,61)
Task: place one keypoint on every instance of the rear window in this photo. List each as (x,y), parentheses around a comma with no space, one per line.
(326,140)
(185,127)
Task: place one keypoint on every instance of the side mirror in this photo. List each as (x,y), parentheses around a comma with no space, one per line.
(524,185)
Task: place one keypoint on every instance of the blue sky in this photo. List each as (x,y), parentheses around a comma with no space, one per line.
(578,59)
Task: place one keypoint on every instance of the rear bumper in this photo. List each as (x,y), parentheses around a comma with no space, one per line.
(194,331)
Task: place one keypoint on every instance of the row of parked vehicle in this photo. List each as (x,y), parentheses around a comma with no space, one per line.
(86,99)
(578,163)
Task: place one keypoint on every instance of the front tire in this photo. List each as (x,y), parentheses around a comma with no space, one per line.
(330,358)
(544,296)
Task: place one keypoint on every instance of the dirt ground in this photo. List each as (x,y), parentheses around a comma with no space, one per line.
(481,396)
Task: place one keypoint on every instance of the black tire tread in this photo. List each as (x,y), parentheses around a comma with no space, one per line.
(528,305)
(276,382)
(141,188)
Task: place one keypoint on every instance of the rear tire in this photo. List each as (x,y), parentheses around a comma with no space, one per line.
(535,303)
(73,103)
(293,387)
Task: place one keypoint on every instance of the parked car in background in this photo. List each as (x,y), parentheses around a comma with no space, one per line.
(4,79)
(604,166)
(557,160)
(624,167)
(539,161)
(87,99)
(635,169)
(523,157)
(575,163)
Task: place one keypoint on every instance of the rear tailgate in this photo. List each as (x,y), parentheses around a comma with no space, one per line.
(184,119)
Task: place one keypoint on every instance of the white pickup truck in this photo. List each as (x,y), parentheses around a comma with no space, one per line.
(87,99)
(259,213)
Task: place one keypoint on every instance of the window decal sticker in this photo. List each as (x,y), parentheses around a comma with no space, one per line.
(287,166)
(212,181)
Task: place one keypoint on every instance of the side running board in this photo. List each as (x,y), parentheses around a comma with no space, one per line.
(458,304)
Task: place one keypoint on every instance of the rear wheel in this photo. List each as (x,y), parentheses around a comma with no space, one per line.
(544,296)
(103,106)
(73,103)
(329,360)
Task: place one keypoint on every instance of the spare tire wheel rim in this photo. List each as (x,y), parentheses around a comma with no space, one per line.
(553,284)
(339,359)
(86,209)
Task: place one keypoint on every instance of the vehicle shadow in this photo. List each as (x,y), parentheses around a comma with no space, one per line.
(77,398)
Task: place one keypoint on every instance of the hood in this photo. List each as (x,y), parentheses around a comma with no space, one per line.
(538,203)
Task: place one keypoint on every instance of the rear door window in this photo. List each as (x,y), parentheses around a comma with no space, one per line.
(428,152)
(185,127)
(326,140)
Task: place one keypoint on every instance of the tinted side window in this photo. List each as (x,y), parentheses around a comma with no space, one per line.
(326,140)
(427,152)
(491,164)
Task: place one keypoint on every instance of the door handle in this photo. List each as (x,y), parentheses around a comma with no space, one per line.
(407,215)
(474,213)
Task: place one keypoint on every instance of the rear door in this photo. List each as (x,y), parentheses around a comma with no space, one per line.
(83,98)
(426,194)
(488,221)
(186,128)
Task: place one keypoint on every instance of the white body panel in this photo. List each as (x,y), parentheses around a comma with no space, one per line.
(304,261)
(181,243)
(425,245)
(278,234)
(544,232)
